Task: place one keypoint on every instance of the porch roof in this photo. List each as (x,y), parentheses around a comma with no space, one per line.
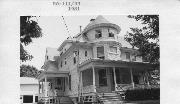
(115,63)
(53,74)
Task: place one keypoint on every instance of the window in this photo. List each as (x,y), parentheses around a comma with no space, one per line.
(127,55)
(27,99)
(123,76)
(136,79)
(59,82)
(87,76)
(47,57)
(102,77)
(111,34)
(113,49)
(74,58)
(61,64)
(65,61)
(98,34)
(85,53)
(69,82)
(100,52)
(36,98)
(134,58)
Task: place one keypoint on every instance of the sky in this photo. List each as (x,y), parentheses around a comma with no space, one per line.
(55,32)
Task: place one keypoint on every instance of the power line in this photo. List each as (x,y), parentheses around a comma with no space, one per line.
(66,26)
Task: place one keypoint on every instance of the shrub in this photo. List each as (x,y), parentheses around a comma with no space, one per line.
(142,94)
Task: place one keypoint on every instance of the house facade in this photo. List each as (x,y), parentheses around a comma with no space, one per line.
(96,61)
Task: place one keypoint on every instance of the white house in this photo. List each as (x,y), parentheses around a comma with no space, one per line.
(29,90)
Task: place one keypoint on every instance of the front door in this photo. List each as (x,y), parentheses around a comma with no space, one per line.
(60,86)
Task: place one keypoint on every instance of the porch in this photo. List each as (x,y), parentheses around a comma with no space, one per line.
(52,86)
(104,76)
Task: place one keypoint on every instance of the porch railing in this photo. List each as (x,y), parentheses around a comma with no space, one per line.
(88,89)
(124,87)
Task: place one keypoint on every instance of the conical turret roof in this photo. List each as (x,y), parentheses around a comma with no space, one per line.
(100,21)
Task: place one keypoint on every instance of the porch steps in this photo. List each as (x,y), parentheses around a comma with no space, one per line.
(110,98)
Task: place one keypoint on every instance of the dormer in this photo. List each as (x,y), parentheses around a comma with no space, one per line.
(100,29)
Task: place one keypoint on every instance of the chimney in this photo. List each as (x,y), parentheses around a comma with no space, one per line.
(80,29)
(92,20)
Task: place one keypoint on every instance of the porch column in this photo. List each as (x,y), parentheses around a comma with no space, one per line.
(94,84)
(39,86)
(42,87)
(147,78)
(115,78)
(45,86)
(132,77)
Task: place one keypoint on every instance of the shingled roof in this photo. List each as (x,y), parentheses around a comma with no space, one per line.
(100,21)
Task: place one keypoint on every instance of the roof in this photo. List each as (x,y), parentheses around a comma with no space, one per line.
(28,80)
(51,52)
(100,21)
(124,43)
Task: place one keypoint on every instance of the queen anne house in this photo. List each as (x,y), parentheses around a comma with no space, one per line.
(94,66)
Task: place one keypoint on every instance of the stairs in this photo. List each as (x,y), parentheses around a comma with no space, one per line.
(110,98)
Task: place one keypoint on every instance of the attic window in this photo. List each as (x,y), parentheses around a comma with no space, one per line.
(111,34)
(98,34)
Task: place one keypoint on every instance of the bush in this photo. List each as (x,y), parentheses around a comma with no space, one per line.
(142,94)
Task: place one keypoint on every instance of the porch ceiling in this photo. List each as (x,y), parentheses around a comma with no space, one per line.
(113,63)
(53,74)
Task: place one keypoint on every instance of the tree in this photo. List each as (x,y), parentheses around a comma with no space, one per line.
(29,29)
(146,39)
(29,71)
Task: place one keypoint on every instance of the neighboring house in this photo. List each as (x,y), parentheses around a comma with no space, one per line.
(29,90)
(96,61)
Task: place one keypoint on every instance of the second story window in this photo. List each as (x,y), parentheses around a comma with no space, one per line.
(65,61)
(100,52)
(61,64)
(127,55)
(75,53)
(98,34)
(85,53)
